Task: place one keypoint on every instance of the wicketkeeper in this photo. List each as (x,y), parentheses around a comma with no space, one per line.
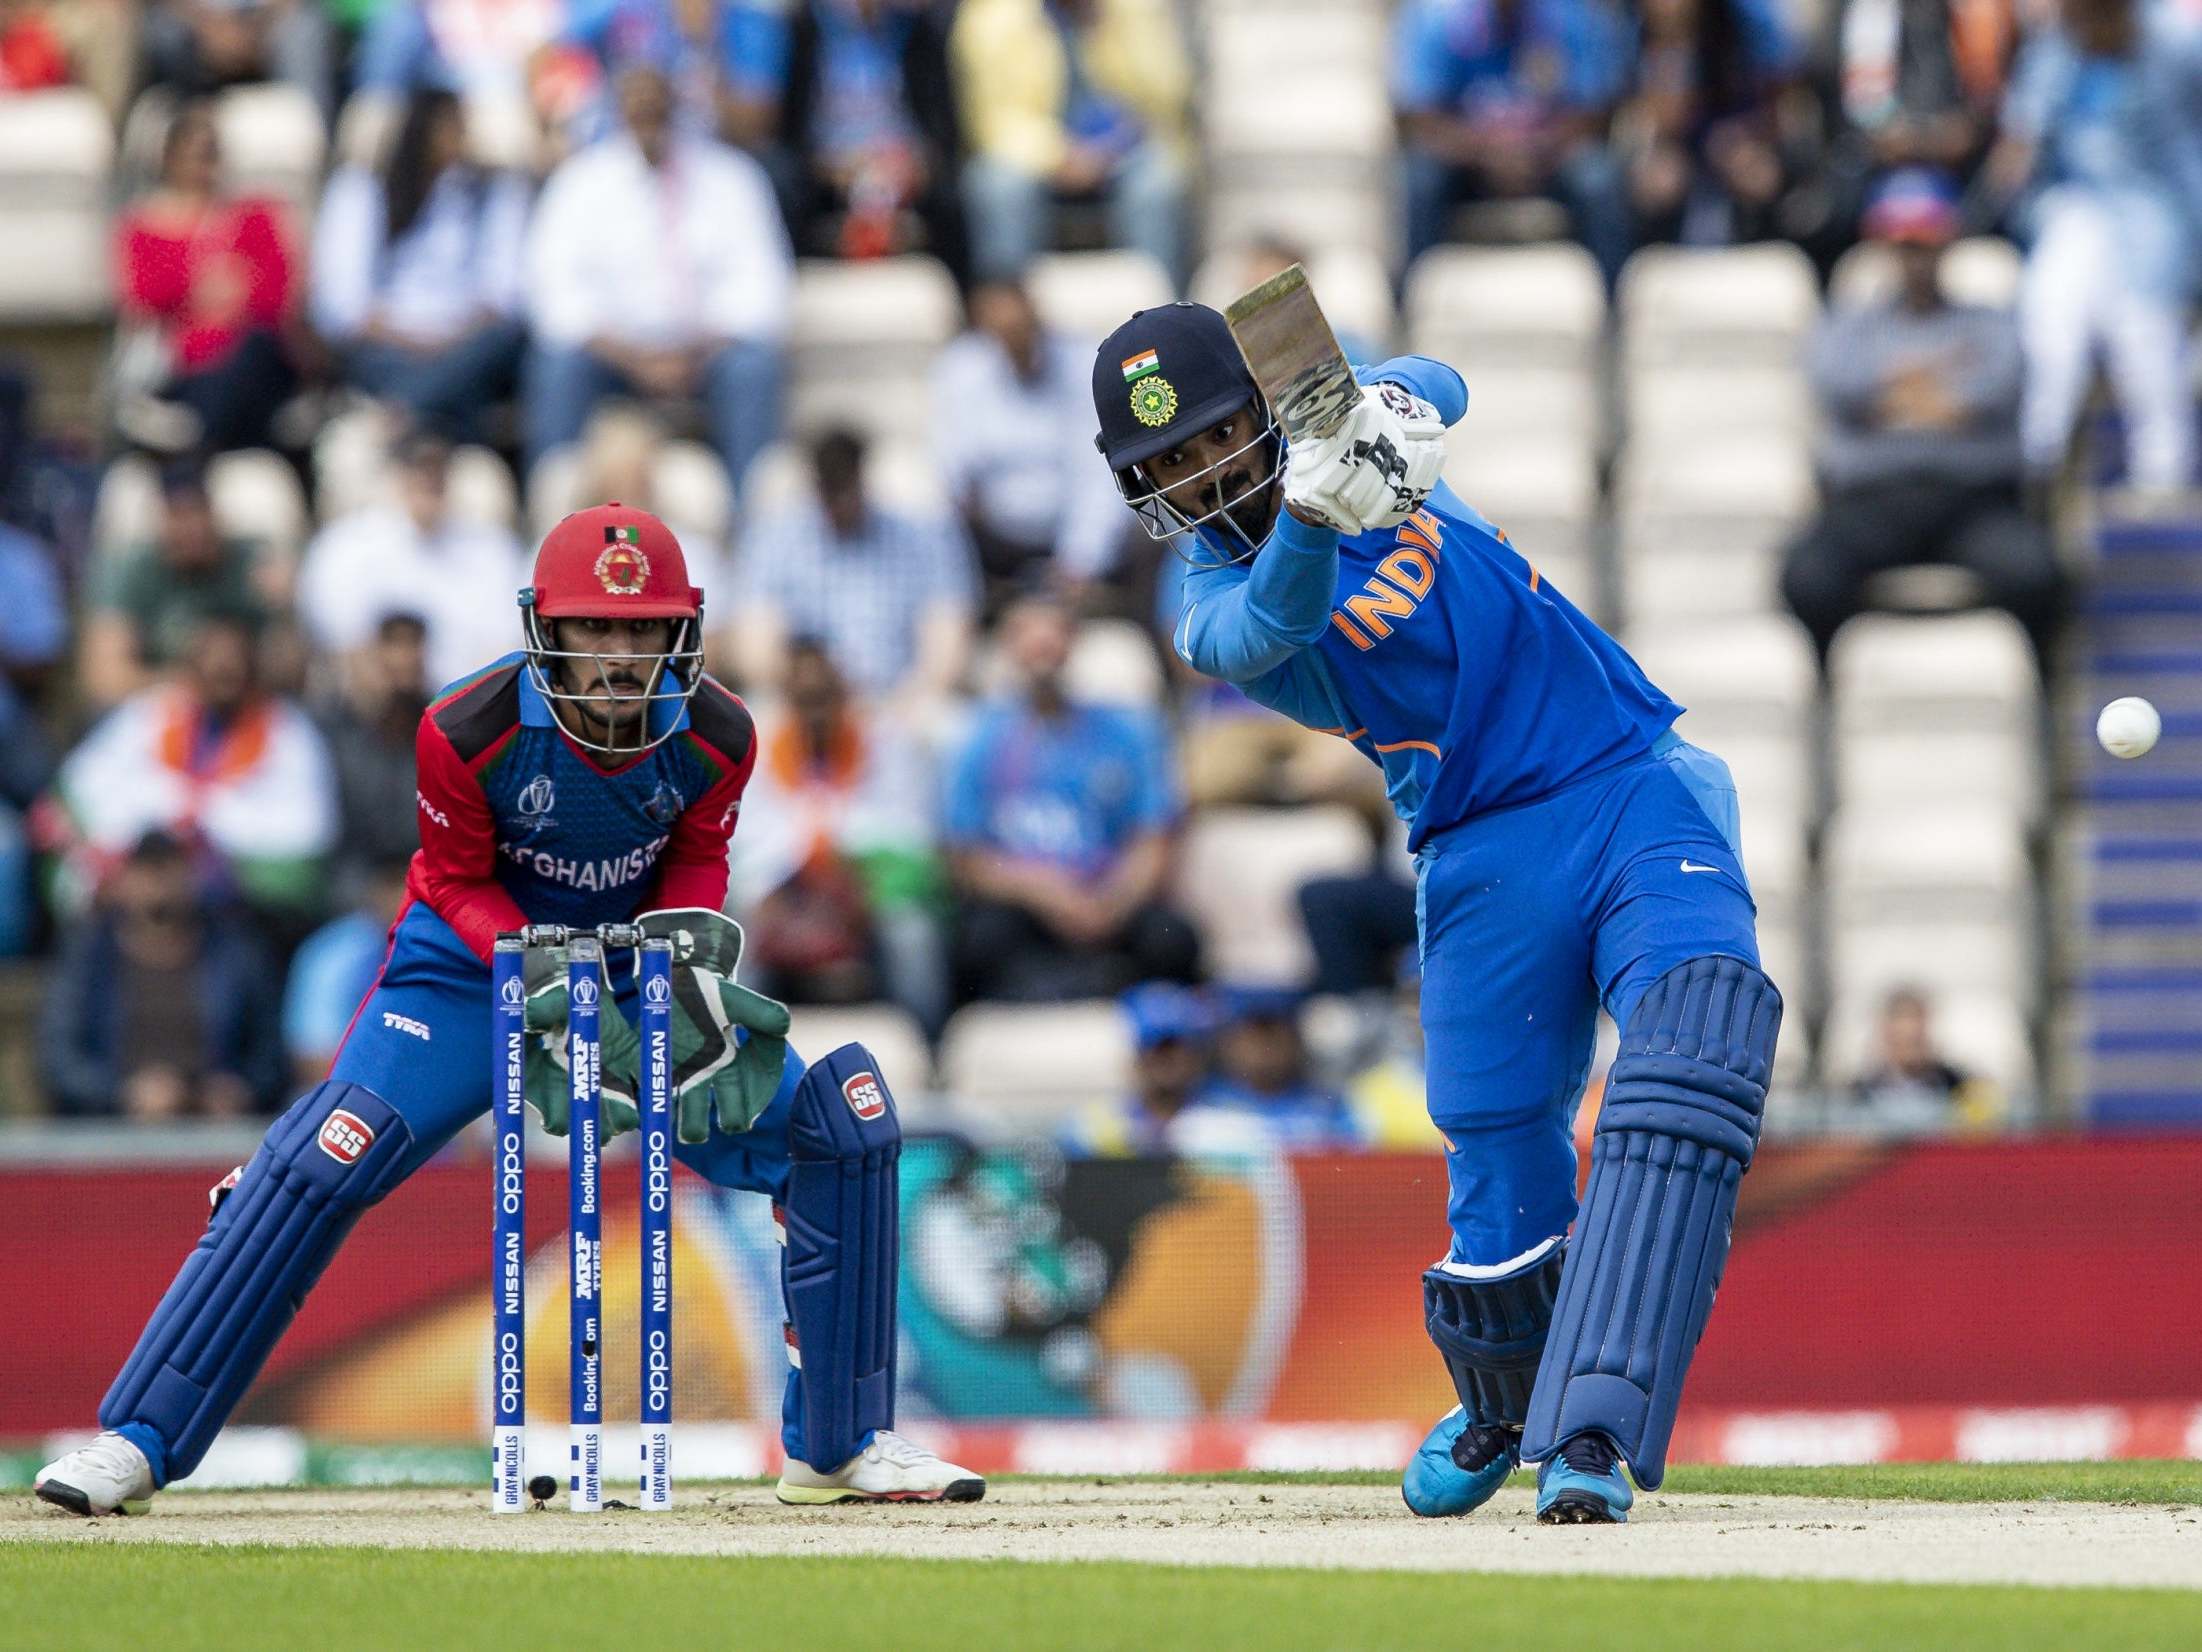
(592,777)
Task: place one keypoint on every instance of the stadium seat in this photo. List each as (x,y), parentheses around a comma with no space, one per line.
(273,143)
(1479,307)
(1981,269)
(481,489)
(255,495)
(1511,406)
(1666,406)
(1114,663)
(1085,296)
(899,474)
(1937,708)
(1350,283)
(1346,210)
(688,488)
(1978,1033)
(57,154)
(862,343)
(1941,898)
(1311,119)
(1683,305)
(1029,1067)
(1250,48)
(1701,527)
(1747,686)
(887,1030)
(1543,495)
(1240,879)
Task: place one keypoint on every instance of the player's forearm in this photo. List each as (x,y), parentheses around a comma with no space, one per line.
(478,911)
(1246,631)
(1434,382)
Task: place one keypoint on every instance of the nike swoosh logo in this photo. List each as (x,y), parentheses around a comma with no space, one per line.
(1687,867)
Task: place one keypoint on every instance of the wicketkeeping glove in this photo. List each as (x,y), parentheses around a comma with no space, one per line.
(549,1074)
(729,1043)
(1376,469)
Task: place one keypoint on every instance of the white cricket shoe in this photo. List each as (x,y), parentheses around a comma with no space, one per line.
(889,1470)
(109,1476)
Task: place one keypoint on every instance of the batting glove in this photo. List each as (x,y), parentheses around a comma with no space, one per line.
(1376,469)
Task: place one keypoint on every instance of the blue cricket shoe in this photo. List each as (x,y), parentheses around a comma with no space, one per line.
(1459,1466)
(1582,1484)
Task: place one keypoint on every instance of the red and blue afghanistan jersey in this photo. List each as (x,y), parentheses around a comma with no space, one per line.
(520,824)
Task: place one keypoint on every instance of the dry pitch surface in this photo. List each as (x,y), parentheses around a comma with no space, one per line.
(1195,1523)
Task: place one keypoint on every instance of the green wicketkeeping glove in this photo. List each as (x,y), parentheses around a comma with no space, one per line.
(717,1075)
(549,1075)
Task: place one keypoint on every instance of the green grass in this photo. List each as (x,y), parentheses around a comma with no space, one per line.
(339,1600)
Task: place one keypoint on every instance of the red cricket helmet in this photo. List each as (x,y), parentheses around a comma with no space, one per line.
(614,562)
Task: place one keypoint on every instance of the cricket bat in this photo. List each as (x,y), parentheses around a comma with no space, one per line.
(1293,355)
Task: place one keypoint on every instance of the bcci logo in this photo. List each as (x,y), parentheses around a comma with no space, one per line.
(864,1096)
(622,569)
(1154,402)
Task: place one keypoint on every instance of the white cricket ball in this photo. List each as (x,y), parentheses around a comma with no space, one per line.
(2128,727)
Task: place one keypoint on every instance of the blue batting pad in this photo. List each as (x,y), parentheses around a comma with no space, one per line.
(337,1150)
(1492,1333)
(1675,1134)
(838,1271)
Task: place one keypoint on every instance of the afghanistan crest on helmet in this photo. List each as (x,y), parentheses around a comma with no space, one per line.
(622,569)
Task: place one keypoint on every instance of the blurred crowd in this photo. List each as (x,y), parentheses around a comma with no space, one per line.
(206,745)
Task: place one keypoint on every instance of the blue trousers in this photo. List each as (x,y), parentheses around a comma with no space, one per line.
(1531,918)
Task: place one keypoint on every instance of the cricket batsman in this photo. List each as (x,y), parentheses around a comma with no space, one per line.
(589,778)
(1570,850)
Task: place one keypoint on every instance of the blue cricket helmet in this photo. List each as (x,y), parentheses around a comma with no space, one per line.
(1159,380)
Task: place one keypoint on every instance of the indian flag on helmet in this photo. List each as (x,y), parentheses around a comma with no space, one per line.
(1140,365)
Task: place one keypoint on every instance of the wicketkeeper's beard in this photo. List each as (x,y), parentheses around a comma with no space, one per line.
(610,702)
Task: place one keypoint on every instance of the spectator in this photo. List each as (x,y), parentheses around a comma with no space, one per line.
(1061,829)
(1704,127)
(1506,99)
(489,50)
(867,146)
(212,758)
(1910,1086)
(162,1006)
(208,282)
(658,268)
(34,639)
(727,58)
(620,459)
(890,594)
(369,729)
(414,556)
(417,273)
(199,47)
(2103,122)
(1173,1043)
(1919,459)
(1918,82)
(835,864)
(146,602)
(1017,451)
(1073,100)
(1262,1074)
(333,970)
